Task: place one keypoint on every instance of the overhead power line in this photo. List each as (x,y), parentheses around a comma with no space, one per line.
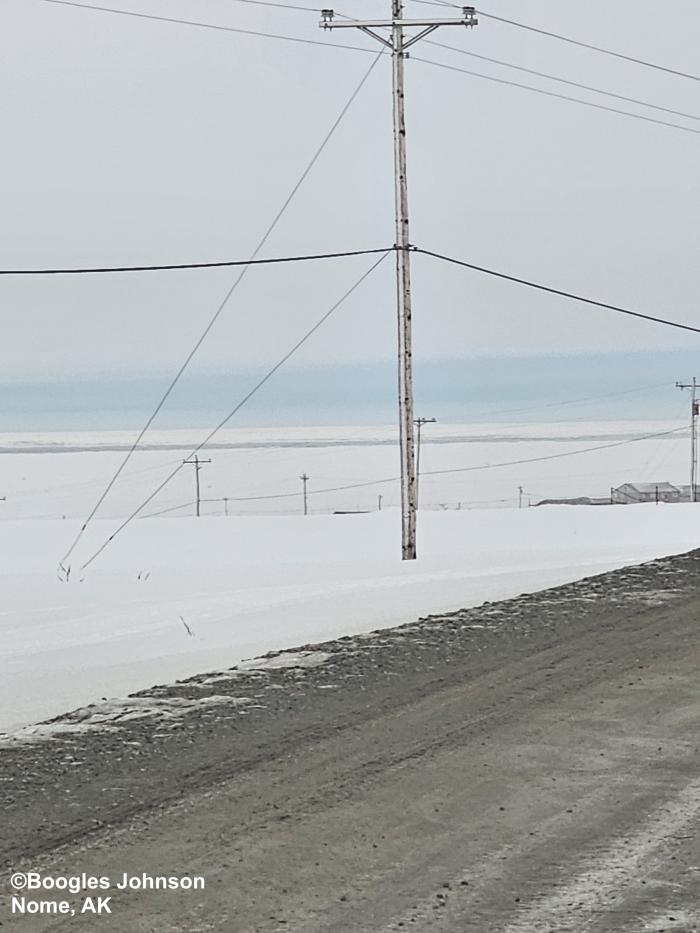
(595,48)
(580,401)
(215,26)
(227,263)
(570,453)
(426,61)
(554,94)
(246,398)
(173,508)
(470,469)
(217,314)
(570,40)
(566,81)
(557,291)
(280,6)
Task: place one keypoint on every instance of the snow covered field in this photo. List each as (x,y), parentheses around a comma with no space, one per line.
(252,583)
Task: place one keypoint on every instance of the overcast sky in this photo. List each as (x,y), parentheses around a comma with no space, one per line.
(131,141)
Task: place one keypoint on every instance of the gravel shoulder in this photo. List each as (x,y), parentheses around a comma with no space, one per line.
(529,766)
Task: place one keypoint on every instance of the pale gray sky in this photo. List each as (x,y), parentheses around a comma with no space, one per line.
(129,141)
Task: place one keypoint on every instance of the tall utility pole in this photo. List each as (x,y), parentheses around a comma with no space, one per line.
(398,43)
(419,422)
(197,464)
(694,408)
(305,479)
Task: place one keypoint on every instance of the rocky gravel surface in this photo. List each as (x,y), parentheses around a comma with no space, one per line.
(374,739)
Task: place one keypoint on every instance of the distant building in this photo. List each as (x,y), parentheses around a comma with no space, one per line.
(685,493)
(646,492)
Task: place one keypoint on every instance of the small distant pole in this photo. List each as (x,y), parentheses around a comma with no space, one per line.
(197,464)
(226,506)
(520,497)
(694,408)
(656,494)
(379,502)
(419,422)
(305,479)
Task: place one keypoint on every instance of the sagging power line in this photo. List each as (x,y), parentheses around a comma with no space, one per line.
(517,280)
(484,467)
(217,314)
(215,264)
(570,40)
(246,398)
(357,48)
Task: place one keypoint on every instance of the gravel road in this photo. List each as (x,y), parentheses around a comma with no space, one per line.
(529,766)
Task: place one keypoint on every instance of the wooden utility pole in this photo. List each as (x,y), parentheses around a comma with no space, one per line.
(305,479)
(379,502)
(693,386)
(197,464)
(398,41)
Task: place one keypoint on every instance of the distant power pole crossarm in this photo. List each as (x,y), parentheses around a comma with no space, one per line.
(398,42)
(694,409)
(197,464)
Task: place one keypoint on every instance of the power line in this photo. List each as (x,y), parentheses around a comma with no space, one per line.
(554,94)
(560,80)
(426,61)
(594,48)
(227,263)
(470,469)
(280,6)
(556,291)
(173,508)
(571,41)
(496,61)
(570,453)
(246,398)
(200,340)
(216,26)
(579,401)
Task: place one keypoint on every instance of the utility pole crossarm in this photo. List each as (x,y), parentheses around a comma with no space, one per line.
(379,23)
(467,19)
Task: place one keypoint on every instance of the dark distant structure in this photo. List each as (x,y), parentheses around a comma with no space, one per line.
(645,492)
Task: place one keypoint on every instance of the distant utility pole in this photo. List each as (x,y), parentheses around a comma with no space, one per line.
(693,386)
(305,479)
(226,506)
(197,464)
(520,497)
(419,422)
(398,43)
(379,502)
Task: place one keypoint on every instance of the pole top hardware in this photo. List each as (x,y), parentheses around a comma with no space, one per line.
(326,18)
(470,19)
